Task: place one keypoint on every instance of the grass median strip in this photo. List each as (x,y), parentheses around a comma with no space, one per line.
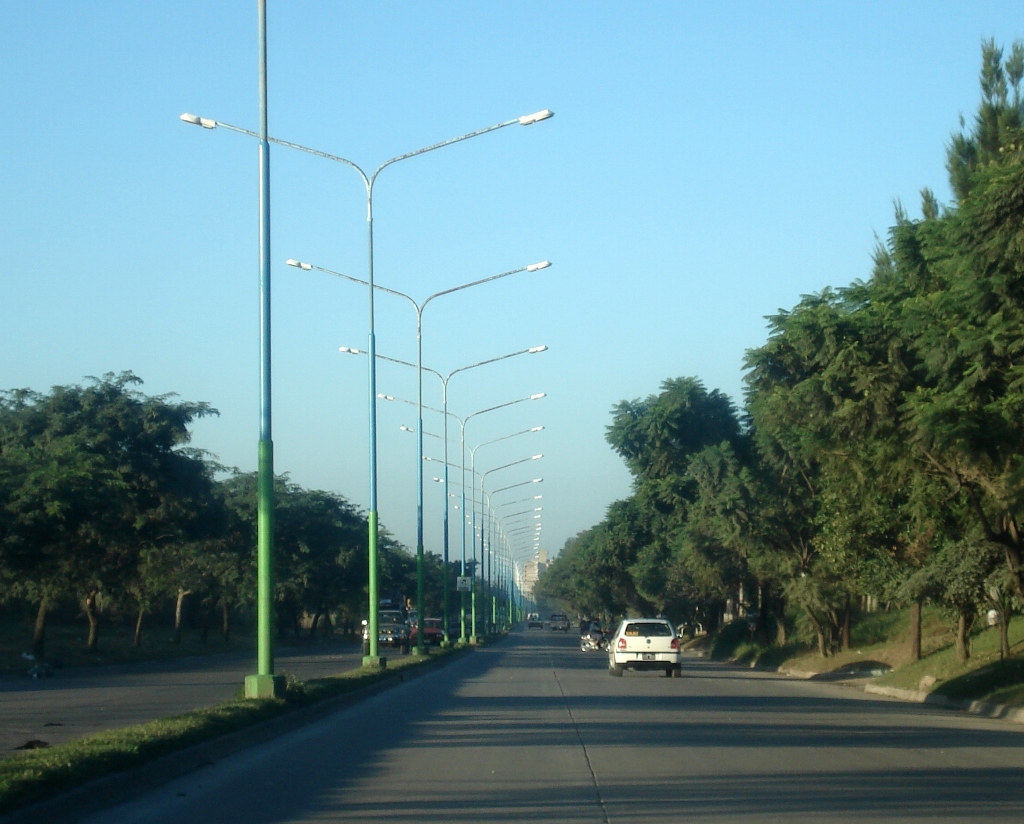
(37,774)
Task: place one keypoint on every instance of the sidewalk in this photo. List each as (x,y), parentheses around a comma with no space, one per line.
(74,703)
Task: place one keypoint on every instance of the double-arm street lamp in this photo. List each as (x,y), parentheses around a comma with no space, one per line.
(497,581)
(462,423)
(419,307)
(369,180)
(445,379)
(483,495)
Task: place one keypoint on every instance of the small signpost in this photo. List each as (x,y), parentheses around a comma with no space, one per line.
(464,584)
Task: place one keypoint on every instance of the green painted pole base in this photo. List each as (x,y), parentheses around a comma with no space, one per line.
(417,652)
(264,686)
(375,662)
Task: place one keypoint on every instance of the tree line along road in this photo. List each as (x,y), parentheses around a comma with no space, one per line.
(533,730)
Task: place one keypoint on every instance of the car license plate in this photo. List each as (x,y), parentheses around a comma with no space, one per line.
(647,656)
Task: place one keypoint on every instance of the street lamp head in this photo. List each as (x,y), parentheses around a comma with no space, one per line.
(196,120)
(348,350)
(405,428)
(536,117)
(537,457)
(538,396)
(385,397)
(298,264)
(537,429)
(533,267)
(533,350)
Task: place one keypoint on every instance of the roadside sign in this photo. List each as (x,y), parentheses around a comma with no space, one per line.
(464,584)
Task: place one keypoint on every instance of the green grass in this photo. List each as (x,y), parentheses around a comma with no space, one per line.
(977,678)
(880,641)
(37,774)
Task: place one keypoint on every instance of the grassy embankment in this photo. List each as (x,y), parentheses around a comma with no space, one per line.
(879,641)
(37,774)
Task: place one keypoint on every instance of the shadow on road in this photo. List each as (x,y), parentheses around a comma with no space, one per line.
(425,750)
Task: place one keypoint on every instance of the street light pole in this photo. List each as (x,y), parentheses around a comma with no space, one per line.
(445,379)
(484,559)
(419,308)
(373,659)
(462,423)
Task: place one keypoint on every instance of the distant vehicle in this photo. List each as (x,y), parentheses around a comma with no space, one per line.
(558,621)
(644,644)
(392,631)
(533,621)
(433,632)
(593,638)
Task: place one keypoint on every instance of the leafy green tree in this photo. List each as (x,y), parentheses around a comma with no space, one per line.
(965,316)
(92,475)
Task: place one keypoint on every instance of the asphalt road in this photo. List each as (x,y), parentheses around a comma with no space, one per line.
(533,730)
(81,701)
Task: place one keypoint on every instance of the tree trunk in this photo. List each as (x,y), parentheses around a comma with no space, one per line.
(138,626)
(328,626)
(915,631)
(225,611)
(780,631)
(208,615)
(39,634)
(94,621)
(963,650)
(846,625)
(1004,634)
(313,624)
(179,611)
(822,645)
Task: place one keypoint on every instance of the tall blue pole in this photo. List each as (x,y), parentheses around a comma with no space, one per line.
(264,684)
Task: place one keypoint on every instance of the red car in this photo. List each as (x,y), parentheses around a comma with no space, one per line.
(433,632)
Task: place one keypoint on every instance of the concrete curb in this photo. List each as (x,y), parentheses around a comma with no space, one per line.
(795,673)
(119,787)
(1005,712)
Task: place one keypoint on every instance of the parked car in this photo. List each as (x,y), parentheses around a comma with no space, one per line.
(533,621)
(558,621)
(644,644)
(433,632)
(392,631)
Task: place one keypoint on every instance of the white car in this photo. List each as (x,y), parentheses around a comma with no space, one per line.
(644,644)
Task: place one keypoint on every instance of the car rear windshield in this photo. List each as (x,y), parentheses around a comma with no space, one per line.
(647,629)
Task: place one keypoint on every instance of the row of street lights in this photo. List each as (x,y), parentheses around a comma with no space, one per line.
(472,469)
(264,683)
(419,308)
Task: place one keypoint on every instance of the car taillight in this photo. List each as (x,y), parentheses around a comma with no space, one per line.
(675,643)
(622,643)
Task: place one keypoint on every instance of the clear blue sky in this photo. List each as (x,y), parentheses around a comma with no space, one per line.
(707,165)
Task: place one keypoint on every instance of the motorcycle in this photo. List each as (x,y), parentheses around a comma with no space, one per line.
(593,640)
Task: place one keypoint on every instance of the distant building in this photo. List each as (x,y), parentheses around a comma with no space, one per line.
(533,570)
